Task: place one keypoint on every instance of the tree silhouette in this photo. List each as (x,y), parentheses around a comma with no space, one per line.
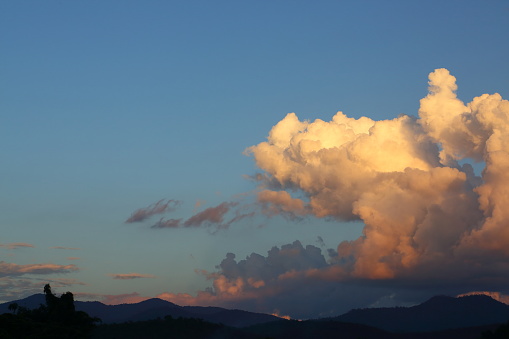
(13,307)
(57,319)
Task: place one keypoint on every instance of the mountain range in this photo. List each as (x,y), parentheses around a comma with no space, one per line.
(440,313)
(152,309)
(436,314)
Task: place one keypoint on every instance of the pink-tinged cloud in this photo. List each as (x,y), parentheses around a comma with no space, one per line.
(15,245)
(130,276)
(503,298)
(281,203)
(129,298)
(263,284)
(111,299)
(276,314)
(220,217)
(212,215)
(404,179)
(159,207)
(9,269)
(430,223)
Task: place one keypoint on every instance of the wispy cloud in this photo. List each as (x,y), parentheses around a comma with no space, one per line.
(159,207)
(64,248)
(10,269)
(213,216)
(129,276)
(16,245)
(168,223)
(128,298)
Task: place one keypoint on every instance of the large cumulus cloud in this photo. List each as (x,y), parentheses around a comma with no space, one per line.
(428,219)
(402,178)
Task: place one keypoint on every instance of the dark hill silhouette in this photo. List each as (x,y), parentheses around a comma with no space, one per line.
(56,318)
(312,329)
(168,319)
(436,314)
(152,309)
(30,302)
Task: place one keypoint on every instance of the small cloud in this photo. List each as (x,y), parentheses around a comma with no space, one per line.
(16,245)
(64,248)
(158,208)
(212,216)
(198,204)
(129,276)
(169,223)
(61,282)
(128,298)
(9,269)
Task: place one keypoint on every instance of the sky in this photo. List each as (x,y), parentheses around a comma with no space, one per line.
(284,157)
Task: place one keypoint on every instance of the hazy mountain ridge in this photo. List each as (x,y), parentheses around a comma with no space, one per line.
(439,317)
(152,309)
(436,314)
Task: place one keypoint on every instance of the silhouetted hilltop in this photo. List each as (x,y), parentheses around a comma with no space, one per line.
(312,329)
(438,318)
(438,313)
(152,309)
(181,328)
(30,302)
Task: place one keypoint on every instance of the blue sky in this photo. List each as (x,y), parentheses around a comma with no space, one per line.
(109,107)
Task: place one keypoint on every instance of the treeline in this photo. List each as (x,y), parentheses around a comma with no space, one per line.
(57,319)
(502,332)
(180,328)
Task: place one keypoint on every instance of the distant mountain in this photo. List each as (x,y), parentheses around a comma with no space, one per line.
(438,318)
(436,314)
(152,309)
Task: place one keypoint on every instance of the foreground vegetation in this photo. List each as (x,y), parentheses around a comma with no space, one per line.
(57,319)
(181,328)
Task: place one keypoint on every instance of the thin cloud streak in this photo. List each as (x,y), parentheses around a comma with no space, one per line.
(213,216)
(159,207)
(168,223)
(64,248)
(130,276)
(16,245)
(10,269)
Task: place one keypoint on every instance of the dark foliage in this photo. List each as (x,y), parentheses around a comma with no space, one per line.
(57,319)
(437,314)
(185,328)
(195,328)
(502,332)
